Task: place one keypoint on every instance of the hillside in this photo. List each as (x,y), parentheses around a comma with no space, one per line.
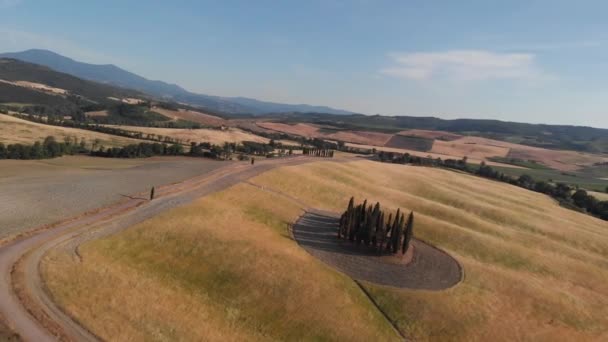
(225,267)
(16,70)
(18,131)
(578,138)
(114,75)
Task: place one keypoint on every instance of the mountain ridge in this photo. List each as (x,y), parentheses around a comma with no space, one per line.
(112,74)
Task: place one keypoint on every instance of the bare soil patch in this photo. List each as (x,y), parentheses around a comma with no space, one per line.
(440,135)
(410,142)
(61,189)
(426,268)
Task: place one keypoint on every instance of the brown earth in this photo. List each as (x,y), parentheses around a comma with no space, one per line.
(68,186)
(447,136)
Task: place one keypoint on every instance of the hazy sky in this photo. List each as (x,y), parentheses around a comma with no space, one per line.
(531,61)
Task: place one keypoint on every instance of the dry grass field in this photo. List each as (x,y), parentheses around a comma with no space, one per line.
(225,267)
(431,154)
(441,135)
(312,131)
(190,115)
(602,196)
(462,147)
(557,159)
(448,145)
(14,130)
(221,269)
(214,136)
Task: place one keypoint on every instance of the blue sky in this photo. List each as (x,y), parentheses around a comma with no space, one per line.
(530,61)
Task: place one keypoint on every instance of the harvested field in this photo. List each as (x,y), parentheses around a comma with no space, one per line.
(38,86)
(214,136)
(601,196)
(68,186)
(304,130)
(410,143)
(190,115)
(440,135)
(359,137)
(224,267)
(557,159)
(312,131)
(18,131)
(430,155)
(462,147)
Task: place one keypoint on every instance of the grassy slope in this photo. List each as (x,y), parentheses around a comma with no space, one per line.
(213,136)
(14,130)
(223,268)
(534,271)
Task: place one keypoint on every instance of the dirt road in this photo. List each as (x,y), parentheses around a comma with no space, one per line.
(28,252)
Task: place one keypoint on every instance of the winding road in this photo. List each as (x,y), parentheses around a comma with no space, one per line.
(24,302)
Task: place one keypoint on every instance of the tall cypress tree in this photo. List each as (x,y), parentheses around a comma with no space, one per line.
(380,233)
(409,233)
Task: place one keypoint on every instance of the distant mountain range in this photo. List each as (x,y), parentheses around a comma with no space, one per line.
(114,75)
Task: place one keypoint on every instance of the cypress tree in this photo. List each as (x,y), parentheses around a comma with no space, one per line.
(379,237)
(387,231)
(395,233)
(409,233)
(152,194)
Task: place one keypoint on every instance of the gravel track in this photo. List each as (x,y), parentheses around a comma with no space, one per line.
(102,223)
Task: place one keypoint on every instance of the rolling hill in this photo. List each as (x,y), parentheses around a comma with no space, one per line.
(112,74)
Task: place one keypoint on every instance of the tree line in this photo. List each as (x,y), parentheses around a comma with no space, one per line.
(141,150)
(369,226)
(315,152)
(48,148)
(567,195)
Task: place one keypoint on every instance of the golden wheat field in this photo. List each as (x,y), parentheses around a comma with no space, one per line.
(17,131)
(226,268)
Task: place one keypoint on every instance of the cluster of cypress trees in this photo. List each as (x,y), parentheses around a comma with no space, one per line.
(368,225)
(318,152)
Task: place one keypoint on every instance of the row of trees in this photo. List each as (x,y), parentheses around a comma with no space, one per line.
(141,150)
(49,148)
(568,196)
(57,121)
(314,152)
(368,225)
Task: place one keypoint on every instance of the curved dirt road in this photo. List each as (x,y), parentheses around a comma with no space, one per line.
(27,252)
